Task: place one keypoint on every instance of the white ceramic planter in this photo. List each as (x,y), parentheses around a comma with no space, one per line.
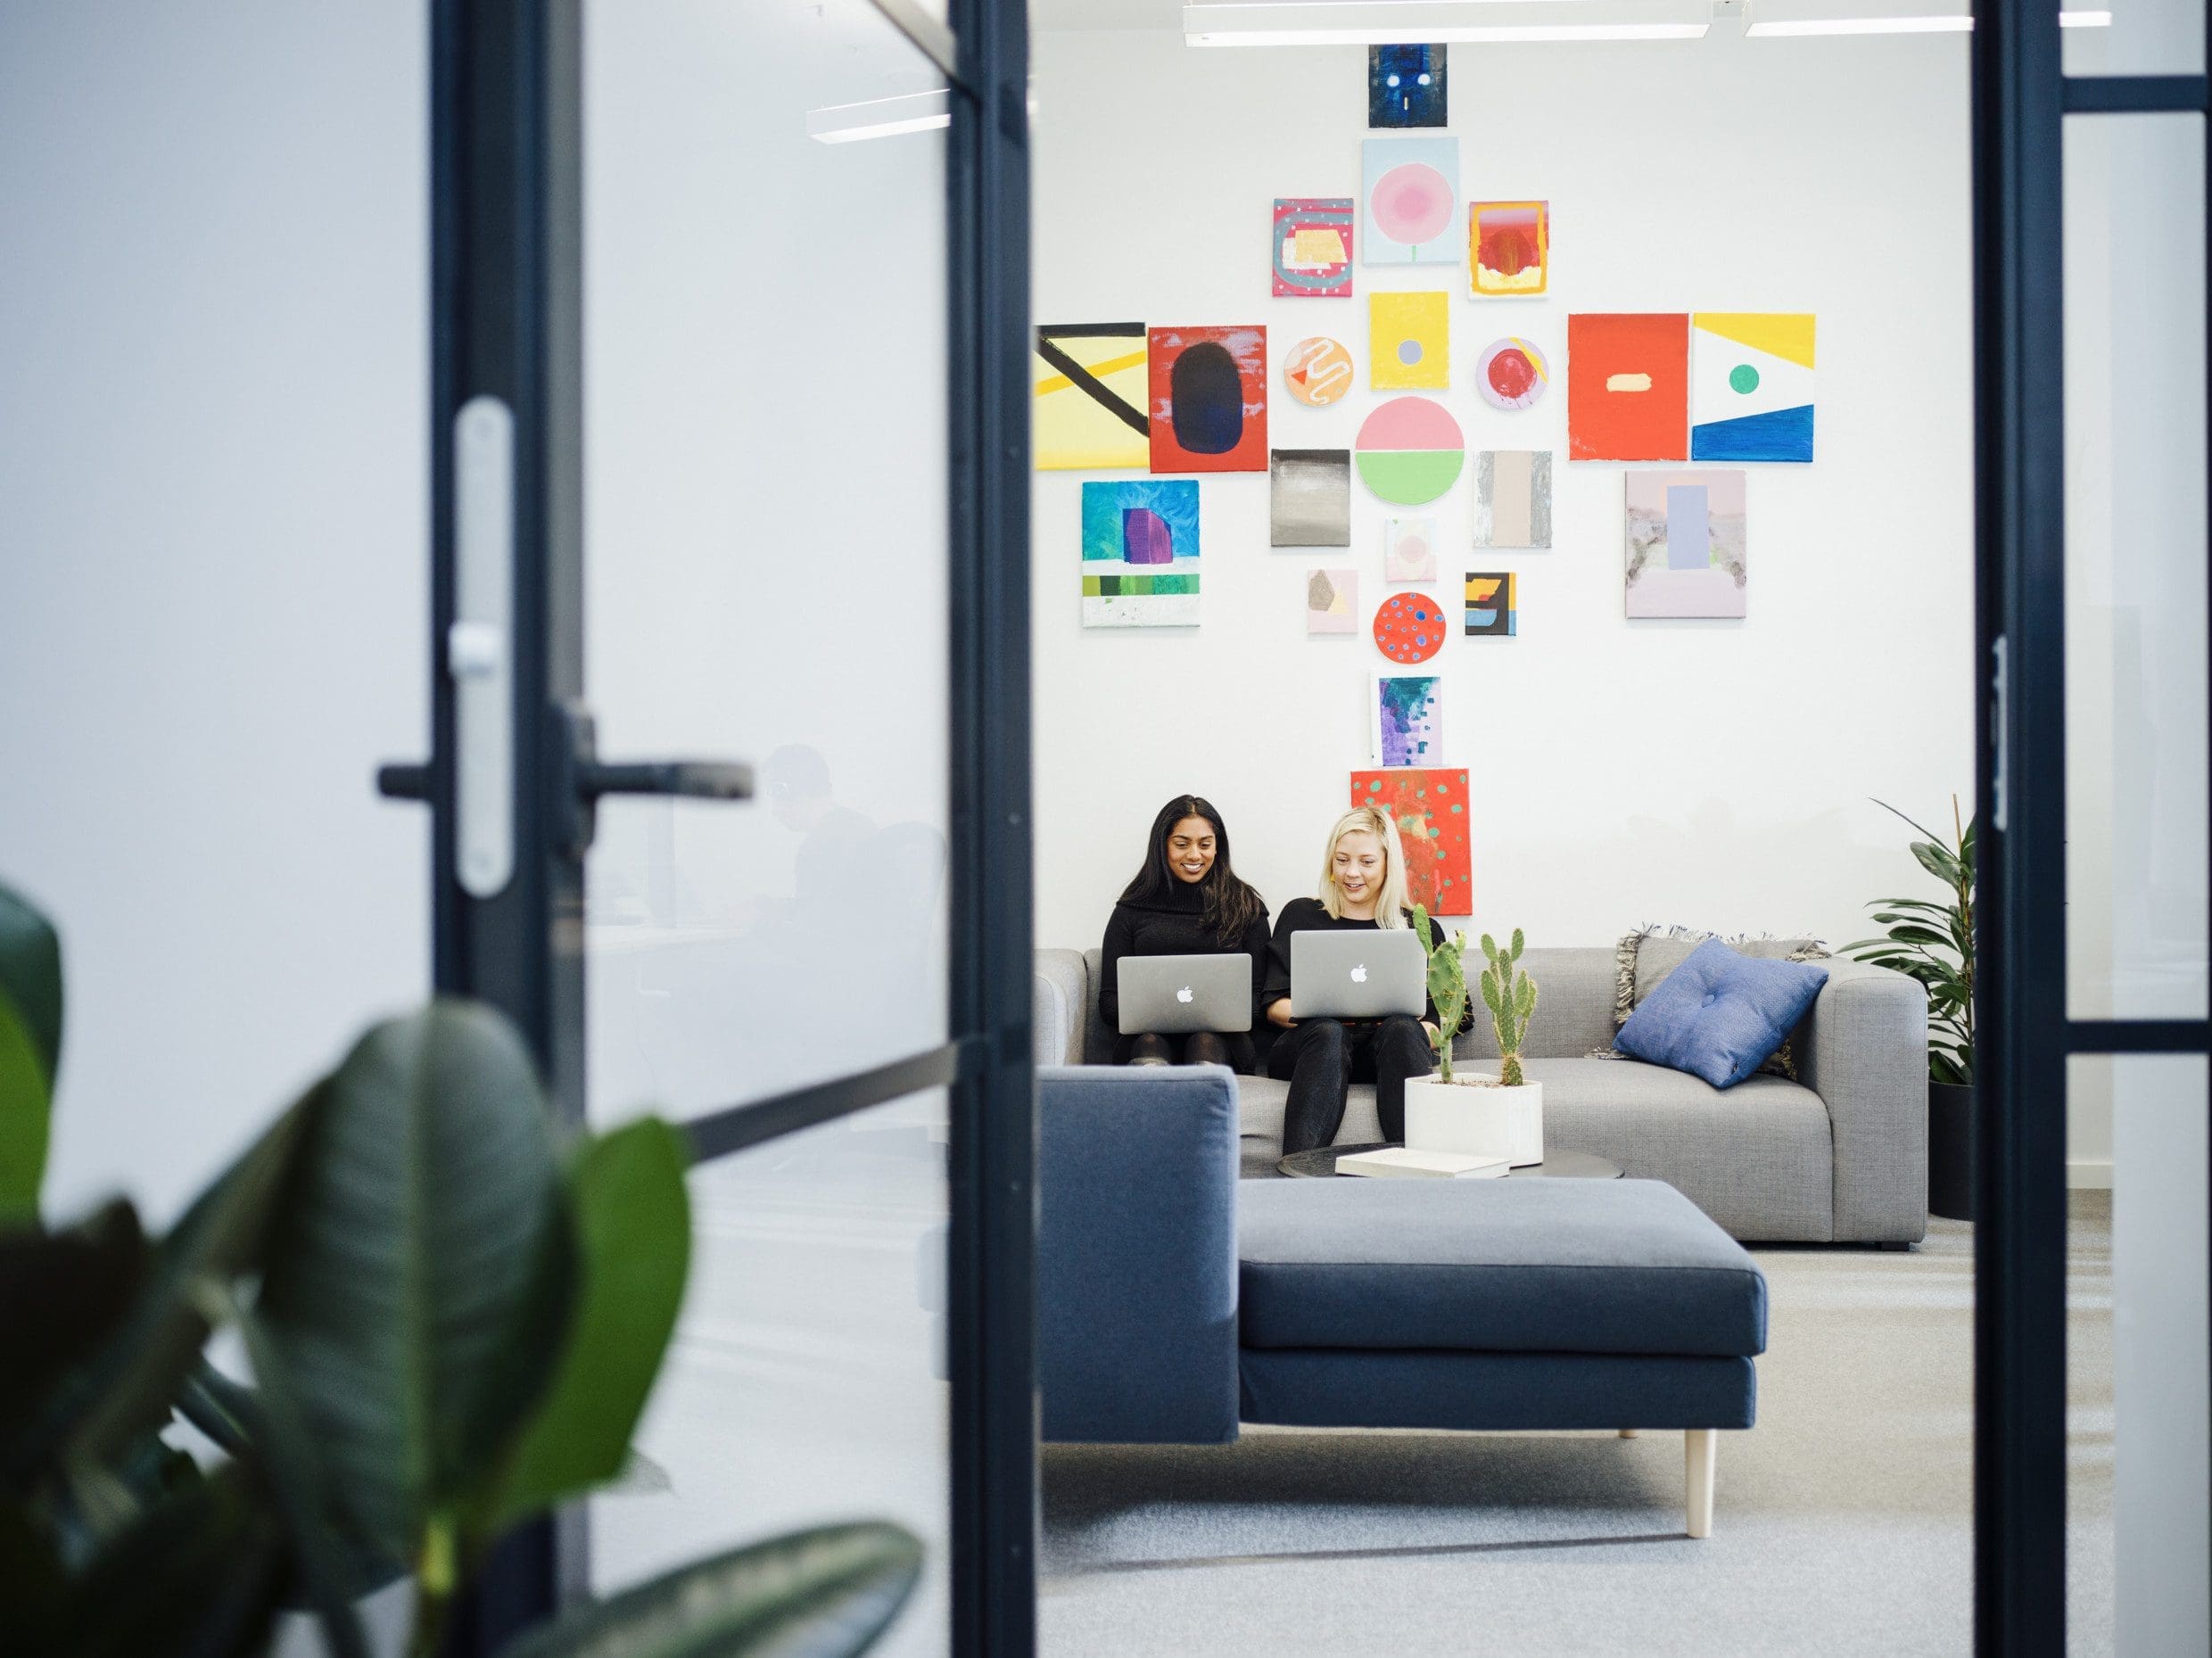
(1476,1117)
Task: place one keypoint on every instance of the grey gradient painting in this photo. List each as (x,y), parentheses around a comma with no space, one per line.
(1513,498)
(1310,498)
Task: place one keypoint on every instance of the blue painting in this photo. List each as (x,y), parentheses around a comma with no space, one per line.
(1405,85)
(1139,553)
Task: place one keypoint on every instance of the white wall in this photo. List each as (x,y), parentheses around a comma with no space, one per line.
(213,565)
(1711,773)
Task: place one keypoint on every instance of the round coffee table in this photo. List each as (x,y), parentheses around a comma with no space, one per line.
(1555,1166)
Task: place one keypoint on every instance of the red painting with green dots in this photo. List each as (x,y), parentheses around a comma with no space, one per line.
(1430,810)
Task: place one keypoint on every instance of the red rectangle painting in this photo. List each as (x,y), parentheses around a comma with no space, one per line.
(1430,808)
(1628,386)
(1209,399)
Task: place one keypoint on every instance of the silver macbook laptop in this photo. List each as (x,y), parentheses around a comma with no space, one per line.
(1358,974)
(1172,995)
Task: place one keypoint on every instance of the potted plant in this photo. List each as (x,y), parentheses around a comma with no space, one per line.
(452,1321)
(1934,942)
(1482,1116)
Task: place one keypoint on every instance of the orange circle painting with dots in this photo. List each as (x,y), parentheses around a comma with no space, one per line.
(1409,627)
(1430,807)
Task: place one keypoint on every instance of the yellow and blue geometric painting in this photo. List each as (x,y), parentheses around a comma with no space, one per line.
(1751,385)
(1139,553)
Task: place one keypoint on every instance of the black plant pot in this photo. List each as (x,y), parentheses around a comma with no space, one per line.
(1951,1151)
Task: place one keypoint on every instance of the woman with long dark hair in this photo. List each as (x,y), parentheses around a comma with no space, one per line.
(1186,901)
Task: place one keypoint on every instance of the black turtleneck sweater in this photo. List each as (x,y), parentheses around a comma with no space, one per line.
(1173,925)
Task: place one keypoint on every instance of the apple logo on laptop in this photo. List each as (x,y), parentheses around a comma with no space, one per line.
(1183,995)
(1359,974)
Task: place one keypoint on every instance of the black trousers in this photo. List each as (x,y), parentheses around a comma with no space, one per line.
(1323,1057)
(1236,1043)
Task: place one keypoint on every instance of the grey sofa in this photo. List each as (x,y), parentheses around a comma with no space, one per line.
(1839,1156)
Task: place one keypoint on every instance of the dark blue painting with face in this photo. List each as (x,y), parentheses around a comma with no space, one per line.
(1405,85)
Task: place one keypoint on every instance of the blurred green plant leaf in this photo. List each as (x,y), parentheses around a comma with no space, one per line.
(61,1294)
(30,1053)
(418,1277)
(827,1593)
(632,1218)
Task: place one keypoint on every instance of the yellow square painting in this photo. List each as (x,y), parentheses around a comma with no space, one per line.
(1408,342)
(1091,390)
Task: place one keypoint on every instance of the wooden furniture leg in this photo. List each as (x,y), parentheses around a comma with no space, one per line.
(1700,1446)
(1628,1434)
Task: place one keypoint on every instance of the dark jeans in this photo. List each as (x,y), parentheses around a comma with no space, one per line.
(1233,1049)
(1323,1057)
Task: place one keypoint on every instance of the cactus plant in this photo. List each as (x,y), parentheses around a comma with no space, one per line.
(1447,985)
(1510,995)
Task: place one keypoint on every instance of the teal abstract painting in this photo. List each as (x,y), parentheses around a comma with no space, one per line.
(1139,553)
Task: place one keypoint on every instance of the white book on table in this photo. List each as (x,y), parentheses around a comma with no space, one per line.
(1402,1162)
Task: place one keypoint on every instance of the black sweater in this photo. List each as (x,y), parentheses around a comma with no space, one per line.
(1307,915)
(1172,927)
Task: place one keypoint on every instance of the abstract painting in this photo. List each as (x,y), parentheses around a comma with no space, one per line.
(1310,498)
(1408,728)
(1408,340)
(1509,248)
(1410,450)
(1511,374)
(1139,553)
(1628,386)
(1685,544)
(1410,628)
(1405,85)
(1513,498)
(1318,371)
(1430,810)
(1493,604)
(1089,397)
(1751,386)
(1332,601)
(1209,400)
(1313,247)
(1409,550)
(1409,201)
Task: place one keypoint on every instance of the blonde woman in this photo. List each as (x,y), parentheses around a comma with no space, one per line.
(1363,884)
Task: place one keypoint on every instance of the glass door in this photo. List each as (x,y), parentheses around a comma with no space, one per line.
(731,772)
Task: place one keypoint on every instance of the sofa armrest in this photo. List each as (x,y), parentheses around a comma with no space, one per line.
(1137,1253)
(1059,991)
(1864,1049)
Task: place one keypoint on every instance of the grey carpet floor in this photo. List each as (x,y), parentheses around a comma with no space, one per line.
(1843,1522)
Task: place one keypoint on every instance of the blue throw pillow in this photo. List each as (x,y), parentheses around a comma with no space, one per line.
(1720,1015)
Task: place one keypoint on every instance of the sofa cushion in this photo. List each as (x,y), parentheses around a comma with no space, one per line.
(1719,1015)
(1492,1265)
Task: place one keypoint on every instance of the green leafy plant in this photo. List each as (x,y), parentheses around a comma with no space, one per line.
(1934,942)
(1447,985)
(453,1321)
(1510,995)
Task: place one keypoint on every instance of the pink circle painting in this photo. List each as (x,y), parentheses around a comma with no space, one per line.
(1511,373)
(1411,204)
(1409,627)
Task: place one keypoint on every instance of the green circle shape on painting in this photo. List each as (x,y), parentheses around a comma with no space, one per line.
(1410,476)
(1744,378)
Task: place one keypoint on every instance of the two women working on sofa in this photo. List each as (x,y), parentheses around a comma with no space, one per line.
(1187,901)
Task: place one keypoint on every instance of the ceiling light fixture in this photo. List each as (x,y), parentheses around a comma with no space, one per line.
(880,118)
(1387,22)
(1844,19)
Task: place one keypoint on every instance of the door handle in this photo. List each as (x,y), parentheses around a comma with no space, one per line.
(581,778)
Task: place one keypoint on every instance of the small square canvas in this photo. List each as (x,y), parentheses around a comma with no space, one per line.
(1751,386)
(1088,391)
(1493,605)
(1408,340)
(1310,498)
(1313,247)
(1409,550)
(1509,248)
(1405,85)
(1408,724)
(1686,545)
(1332,601)
(1430,810)
(1513,498)
(1409,201)
(1139,553)
(1208,388)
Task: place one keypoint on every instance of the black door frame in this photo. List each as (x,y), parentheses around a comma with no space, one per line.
(507,322)
(2021,98)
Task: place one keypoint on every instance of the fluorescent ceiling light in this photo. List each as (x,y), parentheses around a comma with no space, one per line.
(1846,19)
(2085,20)
(1386,23)
(880,118)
